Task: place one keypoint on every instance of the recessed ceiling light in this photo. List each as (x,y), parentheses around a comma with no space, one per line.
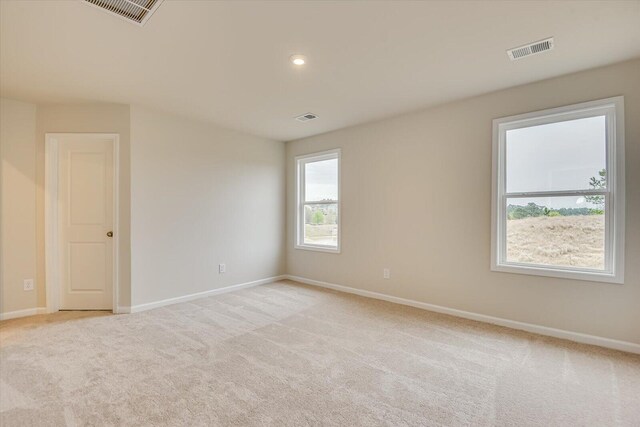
(298,59)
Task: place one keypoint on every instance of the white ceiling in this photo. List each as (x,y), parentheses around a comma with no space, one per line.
(227,62)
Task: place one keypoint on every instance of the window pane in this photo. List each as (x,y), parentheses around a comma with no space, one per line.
(321,180)
(321,224)
(556,231)
(556,156)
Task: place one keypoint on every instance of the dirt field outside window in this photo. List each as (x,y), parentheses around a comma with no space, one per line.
(569,241)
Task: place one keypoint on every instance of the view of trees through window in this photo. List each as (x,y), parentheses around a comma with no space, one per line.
(556,230)
(321,202)
(548,233)
(321,224)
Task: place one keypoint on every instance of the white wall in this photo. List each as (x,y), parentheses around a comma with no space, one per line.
(200,196)
(18,204)
(408,183)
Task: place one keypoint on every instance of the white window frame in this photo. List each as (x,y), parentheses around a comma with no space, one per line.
(613,110)
(301,161)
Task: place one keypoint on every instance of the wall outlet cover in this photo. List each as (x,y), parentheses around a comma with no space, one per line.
(222,268)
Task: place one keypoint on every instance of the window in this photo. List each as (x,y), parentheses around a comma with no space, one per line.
(558,192)
(318,201)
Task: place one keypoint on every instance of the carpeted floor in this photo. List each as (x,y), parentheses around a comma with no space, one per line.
(291,355)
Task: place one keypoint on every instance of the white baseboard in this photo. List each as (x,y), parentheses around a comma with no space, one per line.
(23,313)
(122,309)
(151,305)
(513,324)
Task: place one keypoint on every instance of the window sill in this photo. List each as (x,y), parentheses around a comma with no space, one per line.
(318,248)
(590,276)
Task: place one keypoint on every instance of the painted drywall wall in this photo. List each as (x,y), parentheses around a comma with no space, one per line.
(89,118)
(407,183)
(200,196)
(18,204)
(238,169)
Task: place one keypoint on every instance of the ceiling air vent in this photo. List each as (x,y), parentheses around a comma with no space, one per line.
(530,49)
(136,11)
(306,117)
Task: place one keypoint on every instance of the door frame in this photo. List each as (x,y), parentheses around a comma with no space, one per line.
(51,238)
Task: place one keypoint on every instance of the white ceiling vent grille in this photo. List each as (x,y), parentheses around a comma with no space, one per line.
(136,11)
(306,117)
(530,49)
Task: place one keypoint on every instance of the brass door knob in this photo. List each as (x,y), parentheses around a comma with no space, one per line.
(110,234)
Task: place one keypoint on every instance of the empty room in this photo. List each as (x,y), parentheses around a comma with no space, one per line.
(319,213)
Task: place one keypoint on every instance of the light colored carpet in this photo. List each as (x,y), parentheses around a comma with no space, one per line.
(291,355)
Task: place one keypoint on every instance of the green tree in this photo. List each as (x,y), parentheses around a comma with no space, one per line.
(530,210)
(598,184)
(317,217)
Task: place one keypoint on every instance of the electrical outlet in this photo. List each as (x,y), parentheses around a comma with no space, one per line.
(28,284)
(222,268)
(386,273)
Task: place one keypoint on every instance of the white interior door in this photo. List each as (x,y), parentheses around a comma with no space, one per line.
(85,221)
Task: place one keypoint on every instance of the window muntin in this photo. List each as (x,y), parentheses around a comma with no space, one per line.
(559,192)
(318,202)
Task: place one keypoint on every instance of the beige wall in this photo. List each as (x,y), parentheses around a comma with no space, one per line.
(17,204)
(406,183)
(200,196)
(89,118)
(222,200)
